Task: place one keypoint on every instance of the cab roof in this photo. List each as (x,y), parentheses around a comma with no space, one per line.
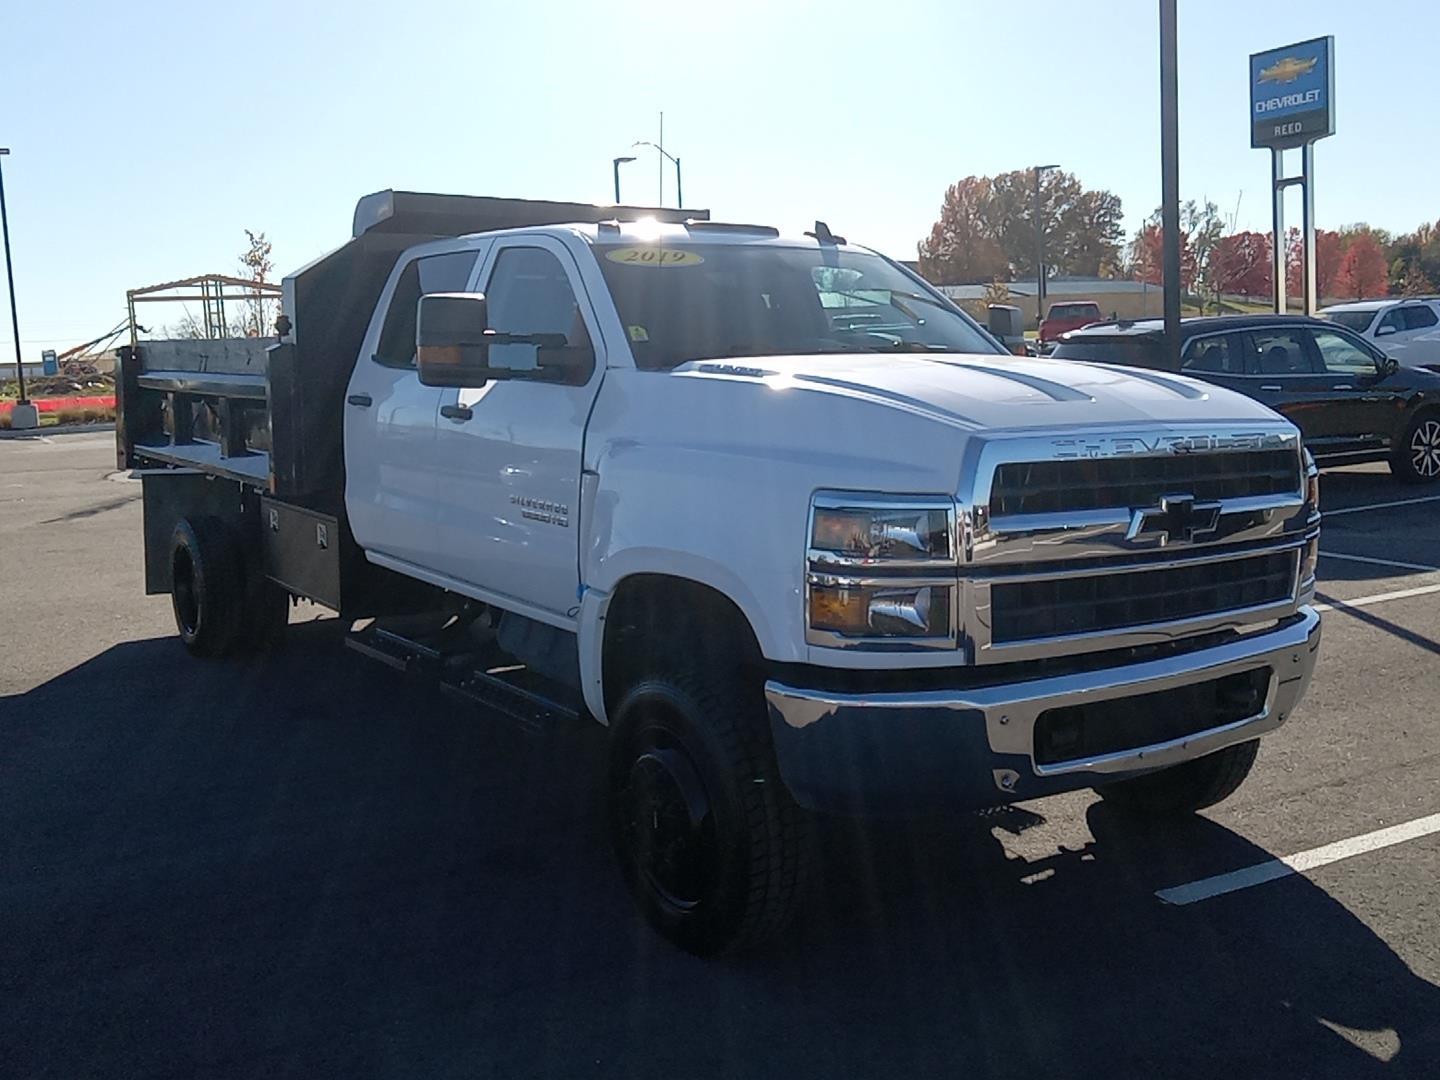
(1195,324)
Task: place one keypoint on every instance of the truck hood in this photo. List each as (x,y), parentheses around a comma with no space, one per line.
(988,392)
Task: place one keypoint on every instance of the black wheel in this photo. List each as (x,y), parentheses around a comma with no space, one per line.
(206,585)
(1416,458)
(1183,789)
(713,848)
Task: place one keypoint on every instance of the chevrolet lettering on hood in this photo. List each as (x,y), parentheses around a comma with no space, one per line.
(1105,446)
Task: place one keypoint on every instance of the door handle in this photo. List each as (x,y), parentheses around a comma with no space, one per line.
(1273,389)
(362,400)
(458,413)
(1343,386)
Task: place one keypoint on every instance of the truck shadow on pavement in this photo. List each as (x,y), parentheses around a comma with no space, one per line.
(304,866)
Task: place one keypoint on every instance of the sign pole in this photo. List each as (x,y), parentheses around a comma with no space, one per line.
(1292,104)
(1170,179)
(1277,255)
(1307,222)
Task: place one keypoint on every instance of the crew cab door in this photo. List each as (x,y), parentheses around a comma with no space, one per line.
(1219,359)
(1408,333)
(390,417)
(1285,374)
(1369,404)
(509,452)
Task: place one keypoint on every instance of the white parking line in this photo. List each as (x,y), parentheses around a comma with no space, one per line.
(1379,506)
(1378,562)
(1275,869)
(1378,598)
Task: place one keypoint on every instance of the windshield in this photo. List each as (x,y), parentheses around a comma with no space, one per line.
(709,301)
(1137,351)
(1359,321)
(1075,311)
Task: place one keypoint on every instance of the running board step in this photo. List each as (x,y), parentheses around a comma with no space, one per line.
(458,677)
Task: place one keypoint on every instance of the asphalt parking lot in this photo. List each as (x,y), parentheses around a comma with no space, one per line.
(306,866)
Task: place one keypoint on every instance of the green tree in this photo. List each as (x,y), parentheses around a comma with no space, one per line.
(1414,260)
(1146,260)
(961,246)
(255,265)
(986,229)
(1203,228)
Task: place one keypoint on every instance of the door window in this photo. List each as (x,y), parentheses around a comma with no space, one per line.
(1393,321)
(449,272)
(1214,356)
(530,293)
(1342,356)
(1278,352)
(1419,317)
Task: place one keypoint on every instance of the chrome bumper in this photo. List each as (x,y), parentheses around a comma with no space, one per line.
(997,723)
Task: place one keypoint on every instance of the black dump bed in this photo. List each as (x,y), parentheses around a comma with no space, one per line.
(272,419)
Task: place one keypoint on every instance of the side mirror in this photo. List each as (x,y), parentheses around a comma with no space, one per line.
(1387,365)
(453,342)
(1384,331)
(452,347)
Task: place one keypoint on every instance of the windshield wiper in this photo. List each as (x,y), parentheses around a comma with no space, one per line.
(896,295)
(734,352)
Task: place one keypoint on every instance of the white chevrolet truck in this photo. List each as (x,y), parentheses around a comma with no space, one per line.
(792,525)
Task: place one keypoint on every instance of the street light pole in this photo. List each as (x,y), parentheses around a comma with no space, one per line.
(10,275)
(1170,179)
(616,163)
(1040,248)
(679,193)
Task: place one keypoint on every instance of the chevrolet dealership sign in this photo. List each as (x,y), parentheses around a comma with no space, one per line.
(1292,94)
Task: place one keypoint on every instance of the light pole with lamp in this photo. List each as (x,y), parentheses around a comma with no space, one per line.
(1040,248)
(23,415)
(616,163)
(679,191)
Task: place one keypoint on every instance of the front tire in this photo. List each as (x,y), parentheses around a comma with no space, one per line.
(712,847)
(1416,460)
(1184,789)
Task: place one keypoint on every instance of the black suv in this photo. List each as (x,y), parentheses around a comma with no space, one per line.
(1351,402)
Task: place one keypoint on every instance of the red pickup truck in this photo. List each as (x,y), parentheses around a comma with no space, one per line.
(1071,315)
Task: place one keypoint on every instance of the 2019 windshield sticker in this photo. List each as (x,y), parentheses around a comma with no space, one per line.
(654,257)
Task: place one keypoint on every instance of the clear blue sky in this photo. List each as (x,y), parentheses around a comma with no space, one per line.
(146,137)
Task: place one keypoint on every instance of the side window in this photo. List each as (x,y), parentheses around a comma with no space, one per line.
(429,274)
(528,293)
(1342,356)
(1277,352)
(1419,317)
(1214,355)
(1394,320)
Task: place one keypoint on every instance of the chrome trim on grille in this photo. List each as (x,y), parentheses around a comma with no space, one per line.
(995,549)
(991,550)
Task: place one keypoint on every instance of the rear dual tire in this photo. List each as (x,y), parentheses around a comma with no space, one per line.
(222,604)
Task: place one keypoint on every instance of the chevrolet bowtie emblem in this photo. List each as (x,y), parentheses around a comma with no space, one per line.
(1177,517)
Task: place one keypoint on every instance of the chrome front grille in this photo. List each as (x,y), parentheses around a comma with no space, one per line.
(1053,607)
(1129,538)
(1081,484)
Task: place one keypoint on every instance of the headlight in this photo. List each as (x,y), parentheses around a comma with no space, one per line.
(883,534)
(869,610)
(879,569)
(1312,482)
